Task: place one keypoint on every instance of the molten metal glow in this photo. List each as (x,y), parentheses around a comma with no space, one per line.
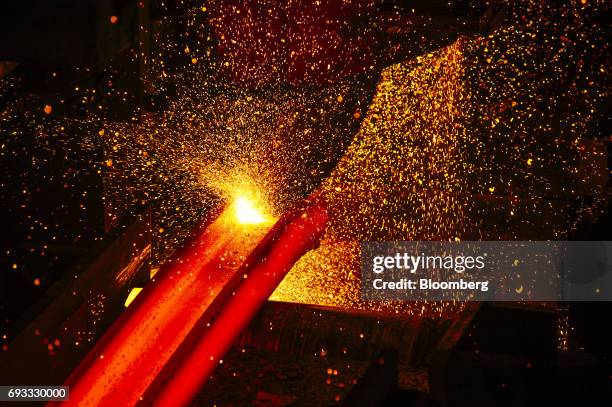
(248,212)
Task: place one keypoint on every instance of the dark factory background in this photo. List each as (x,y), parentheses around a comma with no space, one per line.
(74,219)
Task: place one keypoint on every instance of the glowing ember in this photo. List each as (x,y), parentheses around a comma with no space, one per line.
(132,296)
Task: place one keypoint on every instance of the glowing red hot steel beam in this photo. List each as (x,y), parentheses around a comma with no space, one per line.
(142,340)
(163,326)
(199,355)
